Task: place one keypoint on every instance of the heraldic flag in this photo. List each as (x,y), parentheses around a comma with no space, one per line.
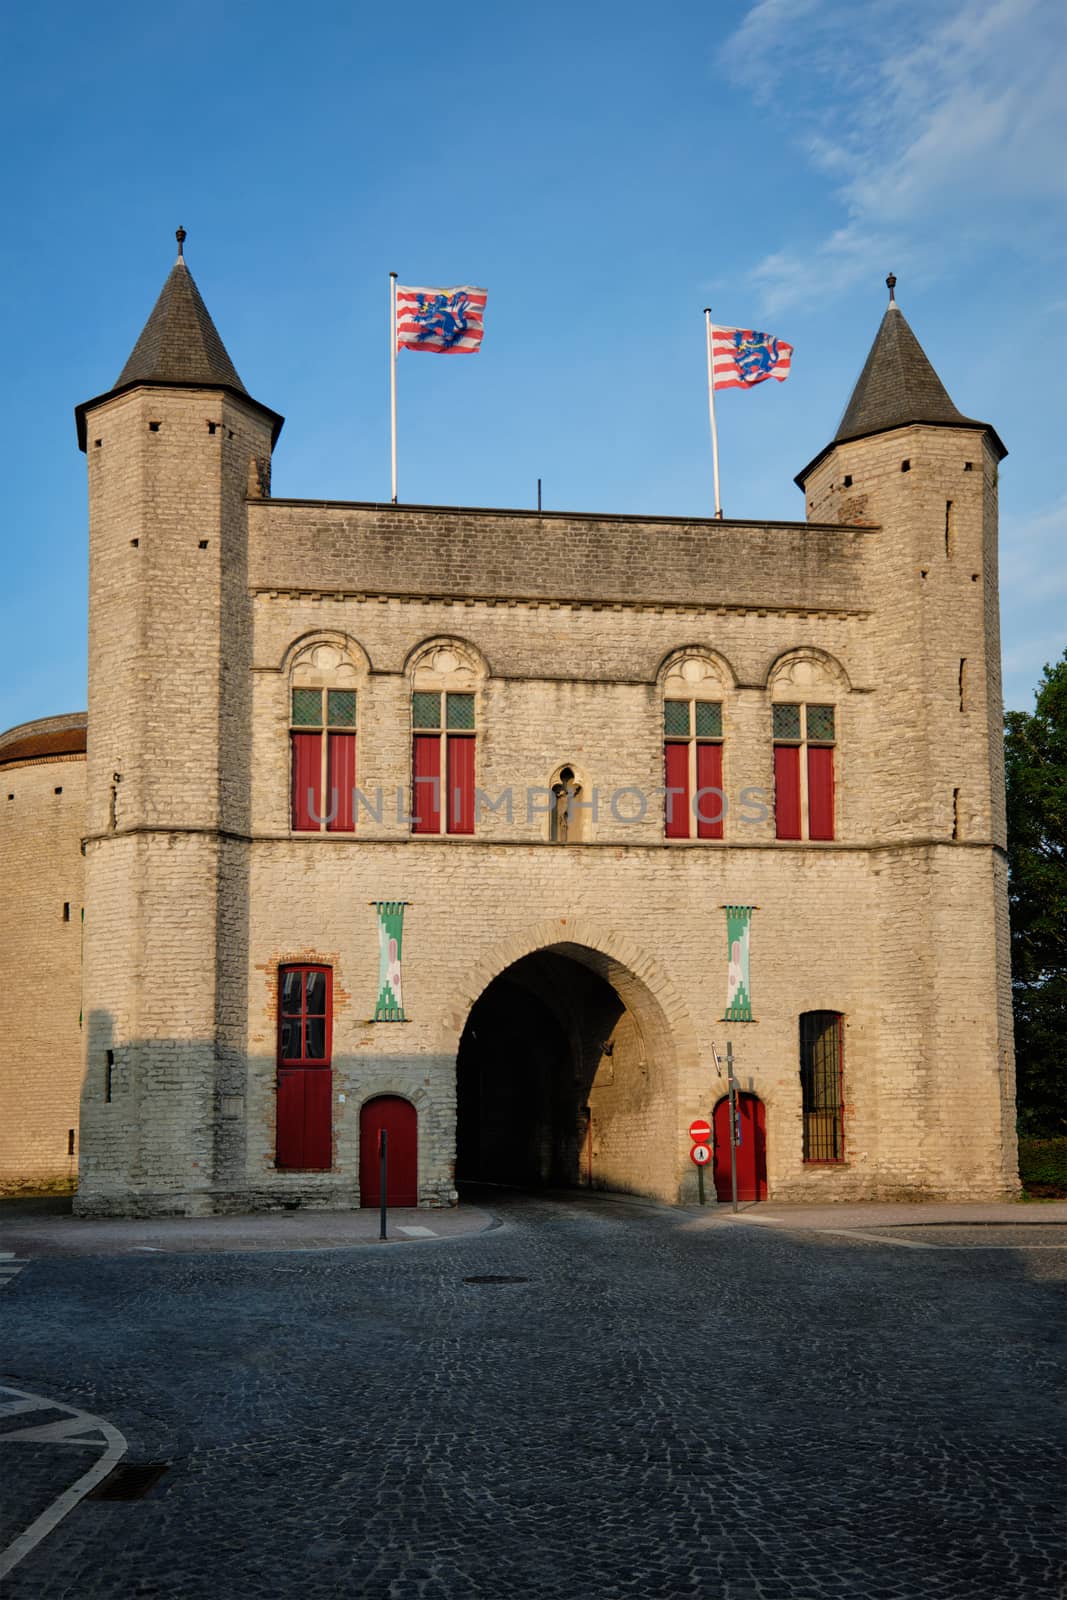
(446,321)
(741,358)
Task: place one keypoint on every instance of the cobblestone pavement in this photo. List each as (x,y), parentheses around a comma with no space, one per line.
(645,1407)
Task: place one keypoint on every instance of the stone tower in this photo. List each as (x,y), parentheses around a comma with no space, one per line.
(174,450)
(905,460)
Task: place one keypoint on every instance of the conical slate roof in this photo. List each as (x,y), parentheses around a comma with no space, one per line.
(898,387)
(179,348)
(179,343)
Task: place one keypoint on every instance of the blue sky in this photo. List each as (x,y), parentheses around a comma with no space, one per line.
(605,172)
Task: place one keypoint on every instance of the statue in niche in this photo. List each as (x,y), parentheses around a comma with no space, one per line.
(564,792)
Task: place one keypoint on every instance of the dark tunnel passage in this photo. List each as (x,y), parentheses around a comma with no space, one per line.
(553,1082)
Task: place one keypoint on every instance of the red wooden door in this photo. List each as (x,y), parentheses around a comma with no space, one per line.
(751,1149)
(304,1133)
(401,1122)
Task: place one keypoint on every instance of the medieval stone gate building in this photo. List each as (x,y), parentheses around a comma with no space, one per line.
(433,818)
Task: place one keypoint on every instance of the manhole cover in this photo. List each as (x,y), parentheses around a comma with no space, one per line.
(130,1480)
(493,1277)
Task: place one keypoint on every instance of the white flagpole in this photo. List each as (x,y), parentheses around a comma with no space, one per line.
(711,413)
(392,370)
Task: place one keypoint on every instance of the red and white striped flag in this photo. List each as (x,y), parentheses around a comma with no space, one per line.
(446,321)
(741,358)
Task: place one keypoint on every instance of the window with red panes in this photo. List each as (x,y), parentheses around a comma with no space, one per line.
(304,1137)
(804,738)
(444,733)
(322,738)
(693,805)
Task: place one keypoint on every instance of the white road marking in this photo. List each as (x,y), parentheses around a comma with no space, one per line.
(415,1232)
(111,1443)
(869,1238)
(13,1408)
(880,1238)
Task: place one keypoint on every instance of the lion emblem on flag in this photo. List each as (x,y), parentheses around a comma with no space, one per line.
(756,354)
(443,315)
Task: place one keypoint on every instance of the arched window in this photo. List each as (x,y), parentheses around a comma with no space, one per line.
(694,801)
(323,709)
(446,679)
(804,691)
(822,1084)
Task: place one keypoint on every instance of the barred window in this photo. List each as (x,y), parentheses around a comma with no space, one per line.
(821,1084)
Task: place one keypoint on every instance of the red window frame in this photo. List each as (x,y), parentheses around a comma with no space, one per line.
(322,762)
(443,758)
(303,1059)
(804,779)
(692,763)
(304,1120)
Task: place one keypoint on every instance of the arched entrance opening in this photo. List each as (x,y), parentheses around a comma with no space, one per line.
(566,1076)
(751,1148)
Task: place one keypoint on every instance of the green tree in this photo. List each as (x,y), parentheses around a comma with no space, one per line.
(1036,770)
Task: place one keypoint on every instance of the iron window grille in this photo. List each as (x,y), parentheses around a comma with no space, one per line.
(822,1085)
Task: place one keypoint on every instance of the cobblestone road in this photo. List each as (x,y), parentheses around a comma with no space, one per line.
(668,1407)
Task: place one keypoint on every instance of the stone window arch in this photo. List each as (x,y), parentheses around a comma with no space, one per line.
(695,684)
(447,710)
(326,679)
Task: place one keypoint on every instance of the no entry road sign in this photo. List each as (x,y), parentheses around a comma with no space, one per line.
(700,1154)
(700,1131)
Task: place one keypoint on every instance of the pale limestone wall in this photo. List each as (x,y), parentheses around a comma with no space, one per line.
(196,890)
(41,870)
(582,686)
(940,757)
(921,1091)
(169,692)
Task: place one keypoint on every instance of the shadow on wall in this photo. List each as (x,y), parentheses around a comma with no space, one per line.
(555,1084)
(161,1137)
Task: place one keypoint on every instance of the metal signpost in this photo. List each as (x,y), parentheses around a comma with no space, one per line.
(700,1154)
(383,1176)
(731,1084)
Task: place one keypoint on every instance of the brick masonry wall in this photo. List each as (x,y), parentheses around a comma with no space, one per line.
(41,871)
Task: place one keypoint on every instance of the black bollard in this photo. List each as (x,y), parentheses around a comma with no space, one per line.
(383,1176)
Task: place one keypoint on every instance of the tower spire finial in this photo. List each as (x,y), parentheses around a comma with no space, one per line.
(891,283)
(181,237)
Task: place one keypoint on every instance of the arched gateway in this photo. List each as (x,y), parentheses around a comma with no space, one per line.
(568,1072)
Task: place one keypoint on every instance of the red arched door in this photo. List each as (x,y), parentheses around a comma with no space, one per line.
(401,1122)
(751,1149)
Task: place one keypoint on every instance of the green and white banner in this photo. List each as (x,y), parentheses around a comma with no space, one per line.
(738,986)
(390,1004)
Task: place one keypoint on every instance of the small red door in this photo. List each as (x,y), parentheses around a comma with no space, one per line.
(751,1149)
(401,1122)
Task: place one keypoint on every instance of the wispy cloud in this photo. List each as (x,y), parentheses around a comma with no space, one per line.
(916,114)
